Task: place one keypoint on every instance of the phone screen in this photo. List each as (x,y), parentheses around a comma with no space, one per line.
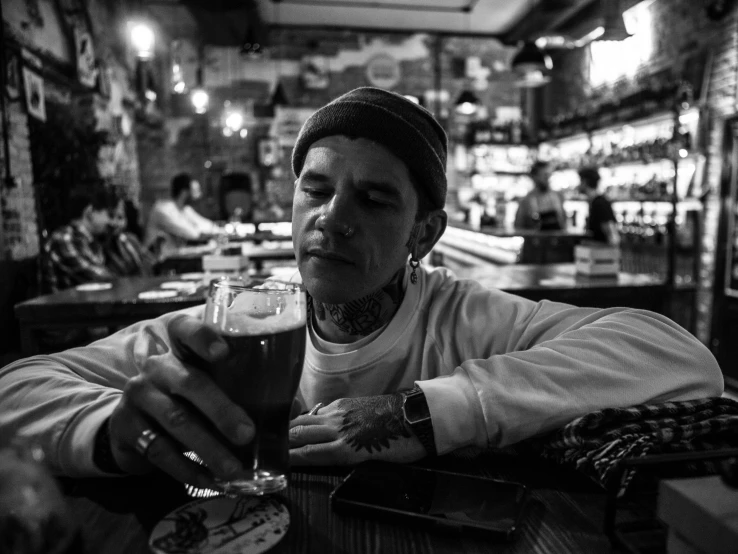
(450,498)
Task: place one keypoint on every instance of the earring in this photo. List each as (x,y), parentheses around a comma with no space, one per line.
(414,263)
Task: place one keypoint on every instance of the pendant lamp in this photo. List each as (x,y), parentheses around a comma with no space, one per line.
(613,24)
(530,58)
(467,102)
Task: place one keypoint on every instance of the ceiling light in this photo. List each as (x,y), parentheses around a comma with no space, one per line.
(142,40)
(467,102)
(234,121)
(533,79)
(531,58)
(200,100)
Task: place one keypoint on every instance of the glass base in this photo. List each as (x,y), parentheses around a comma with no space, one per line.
(262,482)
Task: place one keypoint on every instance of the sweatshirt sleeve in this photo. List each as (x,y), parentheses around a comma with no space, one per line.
(523,368)
(60,400)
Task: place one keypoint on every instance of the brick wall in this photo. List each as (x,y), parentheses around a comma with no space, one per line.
(19,237)
(163,153)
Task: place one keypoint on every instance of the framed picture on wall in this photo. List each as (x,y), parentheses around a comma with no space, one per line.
(12,76)
(268,152)
(35,100)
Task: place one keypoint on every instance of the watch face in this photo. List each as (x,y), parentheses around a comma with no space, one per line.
(416,408)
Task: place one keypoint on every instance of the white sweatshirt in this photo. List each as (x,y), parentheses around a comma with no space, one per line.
(495,369)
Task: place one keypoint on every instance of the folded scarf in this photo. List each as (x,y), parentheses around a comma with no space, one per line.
(598,443)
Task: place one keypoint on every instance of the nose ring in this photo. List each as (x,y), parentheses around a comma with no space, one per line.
(348,232)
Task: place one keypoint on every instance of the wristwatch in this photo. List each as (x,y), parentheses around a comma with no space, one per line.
(417,416)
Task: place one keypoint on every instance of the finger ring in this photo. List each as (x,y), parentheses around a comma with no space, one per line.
(144,440)
(315,409)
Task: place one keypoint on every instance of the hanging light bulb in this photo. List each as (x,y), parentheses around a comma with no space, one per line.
(467,103)
(234,121)
(200,100)
(142,40)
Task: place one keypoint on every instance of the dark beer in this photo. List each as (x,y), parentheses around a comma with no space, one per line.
(261,374)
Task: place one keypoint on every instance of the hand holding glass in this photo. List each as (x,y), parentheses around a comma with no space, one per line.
(264,326)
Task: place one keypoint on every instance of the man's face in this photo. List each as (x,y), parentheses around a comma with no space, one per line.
(195,192)
(356,184)
(118,220)
(541,177)
(98,221)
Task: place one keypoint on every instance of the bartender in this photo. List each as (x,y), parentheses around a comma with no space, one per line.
(541,209)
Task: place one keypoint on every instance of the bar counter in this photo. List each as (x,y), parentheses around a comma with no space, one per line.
(504,245)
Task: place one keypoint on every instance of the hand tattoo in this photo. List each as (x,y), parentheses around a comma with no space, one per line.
(371,422)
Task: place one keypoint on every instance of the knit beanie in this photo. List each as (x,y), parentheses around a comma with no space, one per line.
(406,129)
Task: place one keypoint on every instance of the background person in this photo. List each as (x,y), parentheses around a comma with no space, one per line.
(124,254)
(601,220)
(173,222)
(74,253)
(477,367)
(542,208)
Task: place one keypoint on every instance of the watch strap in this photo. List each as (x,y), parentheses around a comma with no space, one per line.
(422,429)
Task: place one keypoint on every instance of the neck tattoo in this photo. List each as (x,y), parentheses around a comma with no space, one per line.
(362,316)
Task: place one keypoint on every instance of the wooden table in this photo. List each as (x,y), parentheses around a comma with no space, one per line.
(117,306)
(120,305)
(189,258)
(564,515)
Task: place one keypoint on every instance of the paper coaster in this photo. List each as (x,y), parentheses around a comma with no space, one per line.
(90,287)
(192,276)
(179,285)
(154,294)
(223,525)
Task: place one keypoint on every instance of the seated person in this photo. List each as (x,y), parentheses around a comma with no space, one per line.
(174,221)
(124,254)
(488,369)
(74,253)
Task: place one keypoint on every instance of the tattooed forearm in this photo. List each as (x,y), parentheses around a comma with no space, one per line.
(371,422)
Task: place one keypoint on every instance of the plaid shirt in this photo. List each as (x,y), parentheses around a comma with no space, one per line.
(598,442)
(72,256)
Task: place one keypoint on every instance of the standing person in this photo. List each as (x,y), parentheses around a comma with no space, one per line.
(541,208)
(173,222)
(124,254)
(385,336)
(601,221)
(74,253)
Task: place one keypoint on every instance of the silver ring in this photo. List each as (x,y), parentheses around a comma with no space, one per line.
(144,440)
(315,409)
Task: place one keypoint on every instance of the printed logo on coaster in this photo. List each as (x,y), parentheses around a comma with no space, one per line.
(222,525)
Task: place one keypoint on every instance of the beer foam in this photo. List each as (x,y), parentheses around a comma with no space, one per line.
(264,314)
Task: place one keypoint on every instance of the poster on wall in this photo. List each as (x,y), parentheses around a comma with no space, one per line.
(35,101)
(86,65)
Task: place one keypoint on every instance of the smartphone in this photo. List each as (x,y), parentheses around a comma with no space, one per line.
(432,496)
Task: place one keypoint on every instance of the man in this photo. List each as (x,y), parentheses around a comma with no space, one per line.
(173,222)
(474,366)
(541,208)
(601,221)
(74,254)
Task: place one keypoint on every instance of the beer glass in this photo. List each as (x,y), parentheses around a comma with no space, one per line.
(264,326)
